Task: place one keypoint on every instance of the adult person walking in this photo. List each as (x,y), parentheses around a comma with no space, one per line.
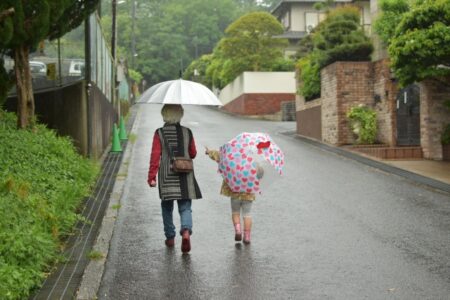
(173,140)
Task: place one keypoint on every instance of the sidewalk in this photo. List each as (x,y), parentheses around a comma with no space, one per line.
(434,174)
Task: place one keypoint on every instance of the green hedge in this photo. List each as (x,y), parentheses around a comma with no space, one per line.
(42,183)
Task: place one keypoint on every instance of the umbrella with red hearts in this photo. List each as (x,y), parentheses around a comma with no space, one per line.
(244,158)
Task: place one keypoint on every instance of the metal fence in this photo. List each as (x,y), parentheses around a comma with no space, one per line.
(60,62)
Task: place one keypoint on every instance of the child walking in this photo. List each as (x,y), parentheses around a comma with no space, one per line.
(241,203)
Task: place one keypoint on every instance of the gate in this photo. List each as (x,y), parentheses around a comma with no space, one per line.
(408,116)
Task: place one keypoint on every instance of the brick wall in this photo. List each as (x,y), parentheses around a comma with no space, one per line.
(255,104)
(433,117)
(329,96)
(385,92)
(344,85)
(347,84)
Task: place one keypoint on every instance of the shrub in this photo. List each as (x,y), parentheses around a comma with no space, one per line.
(42,183)
(363,121)
(339,38)
(309,77)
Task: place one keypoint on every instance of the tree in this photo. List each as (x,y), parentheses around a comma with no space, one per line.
(339,37)
(248,45)
(391,14)
(32,22)
(420,46)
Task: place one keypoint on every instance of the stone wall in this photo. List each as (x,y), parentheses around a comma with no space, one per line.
(433,117)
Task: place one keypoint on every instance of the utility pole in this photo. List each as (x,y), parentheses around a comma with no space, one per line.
(113,30)
(113,54)
(133,36)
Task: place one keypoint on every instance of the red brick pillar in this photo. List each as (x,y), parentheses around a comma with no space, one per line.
(433,117)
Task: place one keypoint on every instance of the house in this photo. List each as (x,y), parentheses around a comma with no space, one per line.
(299,17)
(410,120)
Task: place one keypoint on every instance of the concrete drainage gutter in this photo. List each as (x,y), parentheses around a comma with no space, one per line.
(93,273)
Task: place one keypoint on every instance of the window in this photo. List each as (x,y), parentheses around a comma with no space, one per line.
(311,21)
(286,21)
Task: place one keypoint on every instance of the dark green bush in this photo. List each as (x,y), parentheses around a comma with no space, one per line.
(339,38)
(309,76)
(42,183)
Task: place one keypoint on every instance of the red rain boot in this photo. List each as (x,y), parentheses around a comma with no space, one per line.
(247,236)
(237,232)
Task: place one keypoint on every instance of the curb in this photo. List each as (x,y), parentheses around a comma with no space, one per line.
(90,282)
(420,179)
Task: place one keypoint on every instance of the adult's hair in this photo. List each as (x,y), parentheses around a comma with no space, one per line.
(172,113)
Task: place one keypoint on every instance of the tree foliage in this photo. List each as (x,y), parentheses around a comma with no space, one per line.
(363,121)
(248,45)
(391,14)
(339,37)
(420,46)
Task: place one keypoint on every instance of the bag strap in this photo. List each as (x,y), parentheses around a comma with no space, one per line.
(166,144)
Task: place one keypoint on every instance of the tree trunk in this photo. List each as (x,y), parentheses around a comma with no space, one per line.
(25,98)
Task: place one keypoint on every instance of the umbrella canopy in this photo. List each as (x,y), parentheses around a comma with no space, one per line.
(180,91)
(246,160)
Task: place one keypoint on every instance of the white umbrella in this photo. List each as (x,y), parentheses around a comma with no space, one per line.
(180,92)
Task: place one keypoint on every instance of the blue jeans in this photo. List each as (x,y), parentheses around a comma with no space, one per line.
(184,208)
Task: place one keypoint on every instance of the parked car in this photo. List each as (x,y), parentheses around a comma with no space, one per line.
(38,68)
(76,68)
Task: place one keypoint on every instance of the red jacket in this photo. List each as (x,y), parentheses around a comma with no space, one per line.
(156,156)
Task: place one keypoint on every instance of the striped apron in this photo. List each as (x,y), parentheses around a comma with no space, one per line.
(176,186)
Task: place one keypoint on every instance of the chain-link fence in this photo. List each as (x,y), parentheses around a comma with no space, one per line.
(60,62)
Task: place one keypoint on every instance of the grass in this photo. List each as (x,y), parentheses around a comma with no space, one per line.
(43,182)
(95,255)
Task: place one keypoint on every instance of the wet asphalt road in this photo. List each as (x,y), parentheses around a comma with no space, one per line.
(331,228)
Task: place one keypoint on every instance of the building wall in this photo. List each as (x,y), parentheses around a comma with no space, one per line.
(298,11)
(258,104)
(385,92)
(67,111)
(434,116)
(258,83)
(329,115)
(344,85)
(309,120)
(232,91)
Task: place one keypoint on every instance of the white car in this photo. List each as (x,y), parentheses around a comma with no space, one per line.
(38,68)
(76,68)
